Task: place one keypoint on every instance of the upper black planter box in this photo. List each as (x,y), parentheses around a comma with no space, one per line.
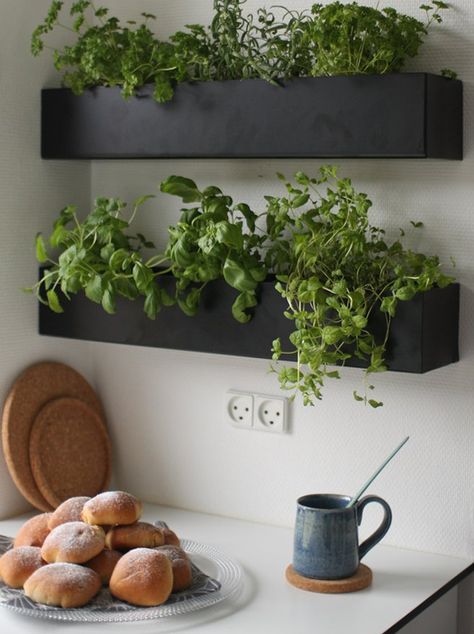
(409,115)
(424,333)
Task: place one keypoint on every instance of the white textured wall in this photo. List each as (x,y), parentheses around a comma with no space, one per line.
(31,193)
(166,407)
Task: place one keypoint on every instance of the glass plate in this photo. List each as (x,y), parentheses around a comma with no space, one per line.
(215,578)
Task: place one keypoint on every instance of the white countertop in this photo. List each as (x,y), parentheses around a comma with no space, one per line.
(403,580)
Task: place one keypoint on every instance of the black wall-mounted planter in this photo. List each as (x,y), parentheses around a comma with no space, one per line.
(409,115)
(424,333)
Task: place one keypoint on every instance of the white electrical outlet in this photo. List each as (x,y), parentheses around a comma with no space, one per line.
(270,413)
(239,408)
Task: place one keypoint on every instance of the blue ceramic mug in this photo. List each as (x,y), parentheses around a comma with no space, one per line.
(326,538)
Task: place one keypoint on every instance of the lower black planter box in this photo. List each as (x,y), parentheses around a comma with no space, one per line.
(424,333)
(407,115)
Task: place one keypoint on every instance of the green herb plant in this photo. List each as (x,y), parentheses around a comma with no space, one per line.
(274,44)
(107,53)
(99,257)
(350,39)
(214,239)
(333,268)
(340,271)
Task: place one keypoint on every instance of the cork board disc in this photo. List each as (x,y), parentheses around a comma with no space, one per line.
(70,451)
(360,580)
(37,385)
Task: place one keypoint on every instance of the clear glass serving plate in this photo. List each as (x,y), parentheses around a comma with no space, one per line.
(215,578)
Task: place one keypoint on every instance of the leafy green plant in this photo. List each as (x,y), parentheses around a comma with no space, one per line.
(273,44)
(211,240)
(340,271)
(108,53)
(98,256)
(332,266)
(349,39)
(214,240)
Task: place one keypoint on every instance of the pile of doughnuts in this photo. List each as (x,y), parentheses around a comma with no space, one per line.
(64,558)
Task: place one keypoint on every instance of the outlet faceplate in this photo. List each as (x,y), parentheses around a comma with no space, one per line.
(257,411)
(239,408)
(270,413)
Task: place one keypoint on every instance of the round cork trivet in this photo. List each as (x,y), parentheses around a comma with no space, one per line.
(360,580)
(37,385)
(70,453)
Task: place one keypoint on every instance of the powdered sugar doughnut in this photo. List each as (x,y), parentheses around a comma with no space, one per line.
(142,577)
(74,542)
(17,564)
(112,507)
(33,532)
(69,511)
(64,585)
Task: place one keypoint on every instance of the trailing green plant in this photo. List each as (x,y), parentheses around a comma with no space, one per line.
(340,270)
(274,44)
(100,258)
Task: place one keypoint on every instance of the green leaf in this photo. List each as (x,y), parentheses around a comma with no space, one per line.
(108,301)
(405,293)
(142,199)
(331,334)
(240,306)
(374,403)
(143,277)
(151,305)
(94,290)
(41,253)
(184,188)
(357,397)
(359,321)
(248,214)
(230,235)
(53,301)
(237,276)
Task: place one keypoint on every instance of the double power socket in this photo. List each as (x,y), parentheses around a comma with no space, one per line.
(257,411)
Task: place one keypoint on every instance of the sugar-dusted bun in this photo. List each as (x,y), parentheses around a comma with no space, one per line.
(74,542)
(17,564)
(33,532)
(142,577)
(104,564)
(181,565)
(138,535)
(170,537)
(112,507)
(69,511)
(64,585)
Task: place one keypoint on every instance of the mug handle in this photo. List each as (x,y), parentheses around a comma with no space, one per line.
(381,530)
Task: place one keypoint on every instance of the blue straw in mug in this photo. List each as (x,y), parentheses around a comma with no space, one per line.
(354,499)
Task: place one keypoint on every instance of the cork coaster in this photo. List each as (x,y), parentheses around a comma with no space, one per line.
(70,452)
(362,579)
(37,385)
